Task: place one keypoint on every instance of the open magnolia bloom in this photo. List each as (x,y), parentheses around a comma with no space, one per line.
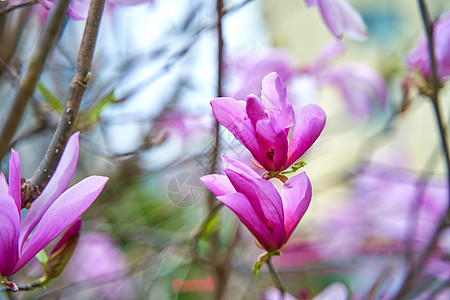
(269,215)
(264,126)
(50,214)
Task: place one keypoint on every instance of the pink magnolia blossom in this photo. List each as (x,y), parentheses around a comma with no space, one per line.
(269,215)
(341,18)
(418,57)
(263,126)
(50,214)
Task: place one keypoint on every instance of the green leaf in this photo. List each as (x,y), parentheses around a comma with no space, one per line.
(294,168)
(211,226)
(52,100)
(42,257)
(256,268)
(93,115)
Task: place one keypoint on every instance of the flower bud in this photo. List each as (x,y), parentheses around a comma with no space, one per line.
(63,251)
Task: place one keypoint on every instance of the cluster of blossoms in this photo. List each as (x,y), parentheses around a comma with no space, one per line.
(55,210)
(277,136)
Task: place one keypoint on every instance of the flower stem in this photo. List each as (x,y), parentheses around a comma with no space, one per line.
(67,121)
(275,277)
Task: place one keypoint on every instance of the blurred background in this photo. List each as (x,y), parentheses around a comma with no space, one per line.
(377,170)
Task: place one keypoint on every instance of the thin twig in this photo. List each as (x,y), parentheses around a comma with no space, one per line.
(29,81)
(415,270)
(66,124)
(276,278)
(10,7)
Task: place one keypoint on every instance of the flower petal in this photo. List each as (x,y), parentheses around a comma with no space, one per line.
(240,205)
(14,179)
(310,123)
(230,113)
(239,167)
(296,194)
(4,190)
(71,232)
(9,234)
(55,187)
(63,212)
(219,185)
(273,96)
(255,109)
(342,19)
(265,200)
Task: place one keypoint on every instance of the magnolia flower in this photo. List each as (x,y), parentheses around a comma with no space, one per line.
(263,126)
(418,58)
(341,18)
(50,214)
(270,216)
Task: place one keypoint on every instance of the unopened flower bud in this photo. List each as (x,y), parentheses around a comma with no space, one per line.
(62,252)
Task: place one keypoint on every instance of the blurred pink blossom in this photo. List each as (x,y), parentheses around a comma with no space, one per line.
(98,262)
(341,18)
(418,57)
(361,87)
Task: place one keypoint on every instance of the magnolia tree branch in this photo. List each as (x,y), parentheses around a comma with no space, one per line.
(219,266)
(29,81)
(413,275)
(10,7)
(66,125)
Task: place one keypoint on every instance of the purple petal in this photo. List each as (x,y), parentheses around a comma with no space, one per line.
(219,185)
(4,190)
(255,110)
(240,205)
(14,179)
(273,96)
(238,167)
(9,234)
(71,232)
(230,113)
(310,122)
(55,187)
(265,200)
(341,18)
(63,212)
(311,3)
(296,194)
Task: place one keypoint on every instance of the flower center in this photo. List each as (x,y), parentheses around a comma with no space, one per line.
(270,154)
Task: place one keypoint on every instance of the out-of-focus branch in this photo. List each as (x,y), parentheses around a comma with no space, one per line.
(32,187)
(10,7)
(415,270)
(29,81)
